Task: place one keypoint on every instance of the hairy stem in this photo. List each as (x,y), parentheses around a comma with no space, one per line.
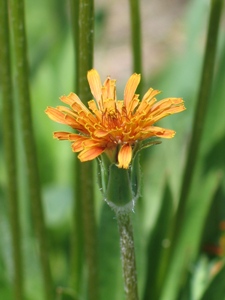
(127,254)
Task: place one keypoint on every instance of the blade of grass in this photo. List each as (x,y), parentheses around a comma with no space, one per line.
(201,109)
(157,254)
(109,256)
(21,66)
(9,150)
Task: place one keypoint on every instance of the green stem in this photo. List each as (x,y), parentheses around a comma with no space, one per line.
(74,9)
(77,229)
(136,38)
(85,178)
(20,50)
(127,254)
(201,109)
(9,149)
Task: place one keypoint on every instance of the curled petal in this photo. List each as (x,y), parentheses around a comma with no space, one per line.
(124,156)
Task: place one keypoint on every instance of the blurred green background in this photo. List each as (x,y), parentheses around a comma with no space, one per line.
(173,40)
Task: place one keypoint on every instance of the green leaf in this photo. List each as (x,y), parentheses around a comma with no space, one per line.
(110,271)
(158,247)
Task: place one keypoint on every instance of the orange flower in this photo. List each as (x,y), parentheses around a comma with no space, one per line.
(115,127)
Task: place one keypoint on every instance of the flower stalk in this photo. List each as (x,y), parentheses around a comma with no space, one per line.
(127,254)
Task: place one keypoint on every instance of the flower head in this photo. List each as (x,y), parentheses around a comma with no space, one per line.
(115,127)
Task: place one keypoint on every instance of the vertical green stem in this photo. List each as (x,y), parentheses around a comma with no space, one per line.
(20,50)
(201,109)
(77,229)
(85,180)
(136,38)
(74,9)
(9,149)
(127,255)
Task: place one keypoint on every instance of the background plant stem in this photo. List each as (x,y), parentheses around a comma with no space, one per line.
(9,142)
(85,179)
(77,230)
(127,255)
(21,66)
(201,108)
(136,38)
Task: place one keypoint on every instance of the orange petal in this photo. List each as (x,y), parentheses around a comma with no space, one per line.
(147,101)
(133,104)
(99,133)
(74,101)
(130,88)
(124,156)
(93,107)
(90,153)
(78,144)
(70,99)
(95,85)
(157,131)
(109,89)
(150,94)
(61,135)
(55,115)
(168,103)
